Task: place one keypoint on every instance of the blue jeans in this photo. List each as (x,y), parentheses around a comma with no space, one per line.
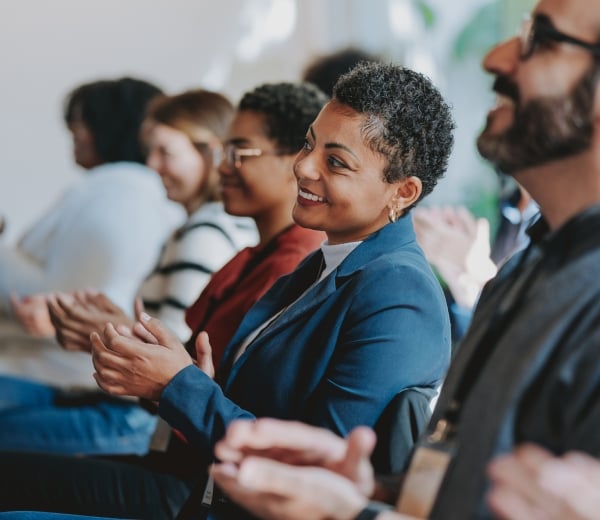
(37,417)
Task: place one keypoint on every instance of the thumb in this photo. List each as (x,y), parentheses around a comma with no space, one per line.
(357,465)
(483,229)
(204,354)
(138,307)
(154,331)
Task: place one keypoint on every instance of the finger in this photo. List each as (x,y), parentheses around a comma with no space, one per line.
(109,387)
(142,333)
(124,330)
(584,464)
(83,298)
(64,315)
(73,341)
(573,478)
(357,464)
(510,472)
(138,307)
(324,492)
(508,505)
(160,331)
(361,442)
(287,440)
(532,456)
(105,303)
(110,365)
(264,506)
(122,346)
(68,305)
(268,476)
(204,354)
(483,230)
(54,308)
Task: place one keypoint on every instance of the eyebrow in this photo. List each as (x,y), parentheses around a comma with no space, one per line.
(238,141)
(332,145)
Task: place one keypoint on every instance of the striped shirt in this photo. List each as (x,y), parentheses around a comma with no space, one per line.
(208,240)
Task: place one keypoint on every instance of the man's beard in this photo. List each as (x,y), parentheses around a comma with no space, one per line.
(545,129)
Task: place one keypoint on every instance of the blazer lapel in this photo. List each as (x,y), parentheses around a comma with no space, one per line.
(308,304)
(285,291)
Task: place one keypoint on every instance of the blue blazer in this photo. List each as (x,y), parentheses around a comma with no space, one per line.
(376,325)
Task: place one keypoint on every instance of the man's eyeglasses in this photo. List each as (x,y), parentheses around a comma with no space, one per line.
(540,31)
(233,156)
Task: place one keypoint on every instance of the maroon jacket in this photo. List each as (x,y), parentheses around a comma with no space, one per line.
(242,281)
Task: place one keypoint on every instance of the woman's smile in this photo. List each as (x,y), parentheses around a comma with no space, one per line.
(308,198)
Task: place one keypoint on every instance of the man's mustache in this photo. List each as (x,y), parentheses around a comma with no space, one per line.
(506,87)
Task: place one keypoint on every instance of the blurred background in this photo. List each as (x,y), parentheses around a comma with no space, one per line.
(47,48)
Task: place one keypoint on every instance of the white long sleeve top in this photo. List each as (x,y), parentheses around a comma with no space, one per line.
(104,233)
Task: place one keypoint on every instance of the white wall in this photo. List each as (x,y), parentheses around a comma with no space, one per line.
(49,46)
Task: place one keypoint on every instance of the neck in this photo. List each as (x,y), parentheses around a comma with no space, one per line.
(192,205)
(272,223)
(566,187)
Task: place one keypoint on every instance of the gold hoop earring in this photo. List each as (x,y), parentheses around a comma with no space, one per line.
(393,215)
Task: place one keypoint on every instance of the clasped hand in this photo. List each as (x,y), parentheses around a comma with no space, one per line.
(289,470)
(143,363)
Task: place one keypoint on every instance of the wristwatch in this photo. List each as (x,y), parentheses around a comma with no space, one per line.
(369,513)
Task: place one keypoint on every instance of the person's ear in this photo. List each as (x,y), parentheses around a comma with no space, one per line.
(407,192)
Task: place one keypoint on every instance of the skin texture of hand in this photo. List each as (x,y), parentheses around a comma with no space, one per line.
(299,444)
(277,491)
(458,246)
(204,355)
(32,314)
(127,365)
(533,484)
(76,316)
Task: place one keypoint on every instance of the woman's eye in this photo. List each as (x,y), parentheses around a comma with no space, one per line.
(306,145)
(334,162)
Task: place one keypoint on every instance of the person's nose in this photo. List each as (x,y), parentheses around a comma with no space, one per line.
(304,168)
(503,58)
(224,168)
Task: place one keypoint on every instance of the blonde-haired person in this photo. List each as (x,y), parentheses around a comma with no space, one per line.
(183,134)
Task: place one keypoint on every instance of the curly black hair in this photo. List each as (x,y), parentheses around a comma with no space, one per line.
(407,121)
(288,108)
(113,111)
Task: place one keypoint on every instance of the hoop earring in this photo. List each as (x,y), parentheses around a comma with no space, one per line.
(393,215)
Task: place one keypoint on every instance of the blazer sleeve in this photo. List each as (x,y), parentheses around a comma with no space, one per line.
(195,405)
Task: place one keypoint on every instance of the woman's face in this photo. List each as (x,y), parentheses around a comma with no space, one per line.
(261,186)
(341,189)
(180,165)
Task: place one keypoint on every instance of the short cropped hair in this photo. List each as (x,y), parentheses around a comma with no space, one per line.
(113,111)
(407,120)
(288,108)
